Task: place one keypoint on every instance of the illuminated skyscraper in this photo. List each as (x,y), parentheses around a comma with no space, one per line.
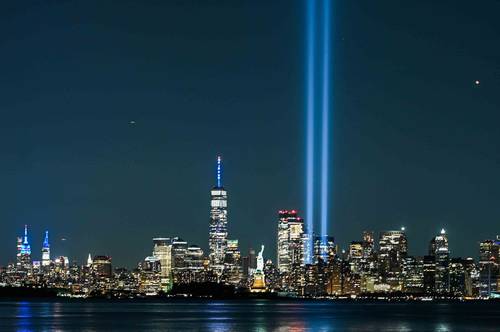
(368,244)
(24,250)
(307,240)
(46,250)
(101,266)
(232,263)
(62,262)
(355,256)
(413,274)
(19,247)
(393,243)
(178,261)
(369,267)
(429,272)
(194,264)
(179,249)
(163,251)
(290,250)
(218,223)
(438,248)
(460,283)
(290,240)
(489,270)
(194,259)
(393,249)
(324,249)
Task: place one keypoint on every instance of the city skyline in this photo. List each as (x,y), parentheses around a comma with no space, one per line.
(111,129)
(250,165)
(292,232)
(368,268)
(306,265)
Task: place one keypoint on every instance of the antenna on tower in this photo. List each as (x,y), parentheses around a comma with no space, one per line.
(46,240)
(25,234)
(89,261)
(219,171)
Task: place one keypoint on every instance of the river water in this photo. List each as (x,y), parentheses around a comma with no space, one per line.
(250,315)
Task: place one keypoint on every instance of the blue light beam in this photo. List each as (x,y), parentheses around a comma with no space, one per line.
(310,109)
(325,118)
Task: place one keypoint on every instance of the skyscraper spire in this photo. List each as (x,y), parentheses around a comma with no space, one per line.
(89,261)
(25,241)
(46,240)
(219,172)
(46,250)
(218,222)
(25,247)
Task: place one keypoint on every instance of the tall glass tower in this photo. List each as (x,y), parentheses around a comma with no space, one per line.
(290,245)
(218,222)
(439,248)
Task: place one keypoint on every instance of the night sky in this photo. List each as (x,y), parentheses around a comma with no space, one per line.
(113,113)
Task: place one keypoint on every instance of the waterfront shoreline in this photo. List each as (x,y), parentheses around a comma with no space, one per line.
(26,293)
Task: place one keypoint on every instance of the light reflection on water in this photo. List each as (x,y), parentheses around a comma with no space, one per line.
(23,316)
(258,316)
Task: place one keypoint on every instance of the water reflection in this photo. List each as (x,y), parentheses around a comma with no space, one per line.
(442,328)
(24,316)
(257,316)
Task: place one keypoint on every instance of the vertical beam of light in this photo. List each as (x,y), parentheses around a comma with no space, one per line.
(325,118)
(310,23)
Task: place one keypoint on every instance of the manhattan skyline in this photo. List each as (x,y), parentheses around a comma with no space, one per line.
(109,133)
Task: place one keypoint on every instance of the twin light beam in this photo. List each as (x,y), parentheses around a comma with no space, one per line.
(318,116)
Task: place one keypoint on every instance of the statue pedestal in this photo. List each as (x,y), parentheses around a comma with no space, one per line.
(259,284)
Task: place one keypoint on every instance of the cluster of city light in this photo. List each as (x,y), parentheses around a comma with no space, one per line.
(318,119)
(363,271)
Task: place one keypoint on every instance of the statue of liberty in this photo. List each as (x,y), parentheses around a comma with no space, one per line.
(259,280)
(260,260)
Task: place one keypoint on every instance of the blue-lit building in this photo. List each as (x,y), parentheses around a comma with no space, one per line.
(24,251)
(46,250)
